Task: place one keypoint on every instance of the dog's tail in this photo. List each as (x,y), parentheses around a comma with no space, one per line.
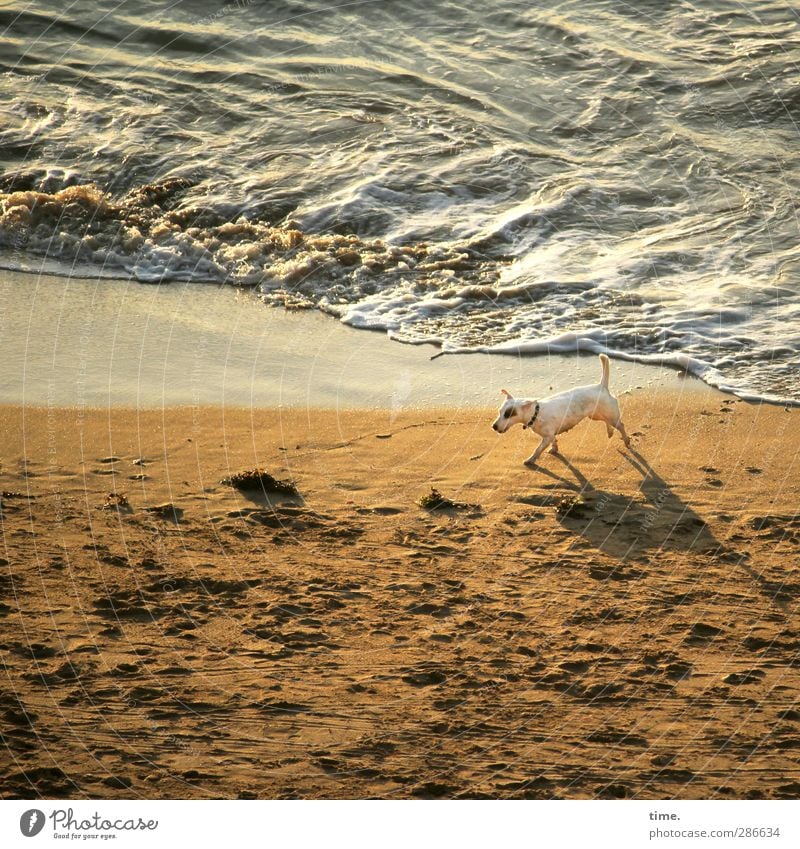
(606,371)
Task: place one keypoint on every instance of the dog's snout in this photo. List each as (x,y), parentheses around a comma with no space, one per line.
(495,427)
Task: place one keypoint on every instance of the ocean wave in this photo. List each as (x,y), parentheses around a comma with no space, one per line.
(620,177)
(150,236)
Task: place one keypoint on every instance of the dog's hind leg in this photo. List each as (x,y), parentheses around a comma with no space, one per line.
(621,428)
(546,440)
(609,430)
(554,447)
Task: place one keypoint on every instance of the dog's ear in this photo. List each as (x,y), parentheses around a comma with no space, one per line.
(507,394)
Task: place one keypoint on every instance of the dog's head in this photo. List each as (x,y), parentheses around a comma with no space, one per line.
(512,412)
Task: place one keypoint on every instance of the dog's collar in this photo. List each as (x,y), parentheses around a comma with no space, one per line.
(533,417)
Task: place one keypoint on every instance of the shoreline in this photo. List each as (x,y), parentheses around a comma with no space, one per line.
(612,625)
(121,343)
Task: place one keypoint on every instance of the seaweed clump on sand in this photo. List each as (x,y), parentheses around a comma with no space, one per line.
(434,500)
(572,507)
(257,480)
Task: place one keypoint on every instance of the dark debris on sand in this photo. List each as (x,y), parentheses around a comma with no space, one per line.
(571,506)
(434,500)
(260,481)
(116,501)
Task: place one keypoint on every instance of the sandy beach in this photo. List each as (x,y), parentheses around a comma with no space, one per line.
(267,273)
(613,625)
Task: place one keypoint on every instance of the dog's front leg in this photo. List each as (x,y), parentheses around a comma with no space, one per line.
(546,440)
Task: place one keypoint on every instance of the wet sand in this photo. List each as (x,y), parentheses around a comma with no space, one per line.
(613,624)
(121,343)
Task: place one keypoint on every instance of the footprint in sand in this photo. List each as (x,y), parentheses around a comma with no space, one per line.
(33,651)
(618,737)
(16,713)
(118,782)
(701,633)
(66,673)
(49,783)
(679,671)
(127,605)
(284,708)
(780,524)
(380,510)
(146,694)
(117,560)
(752,676)
(603,691)
(424,676)
(127,669)
(169,512)
(434,790)
(790,715)
(575,666)
(440,611)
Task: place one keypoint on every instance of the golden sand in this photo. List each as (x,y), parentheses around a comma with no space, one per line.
(614,624)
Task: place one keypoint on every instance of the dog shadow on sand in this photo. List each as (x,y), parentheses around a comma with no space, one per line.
(628,528)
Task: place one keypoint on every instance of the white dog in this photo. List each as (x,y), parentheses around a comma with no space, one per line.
(558,413)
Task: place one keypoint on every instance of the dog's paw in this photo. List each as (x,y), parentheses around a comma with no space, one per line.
(531,464)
